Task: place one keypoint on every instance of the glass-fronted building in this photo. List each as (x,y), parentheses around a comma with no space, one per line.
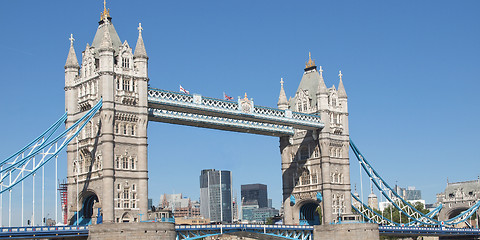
(216,195)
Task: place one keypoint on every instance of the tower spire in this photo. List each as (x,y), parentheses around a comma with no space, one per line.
(341,88)
(72,61)
(106,12)
(282,99)
(140,48)
(322,88)
(310,64)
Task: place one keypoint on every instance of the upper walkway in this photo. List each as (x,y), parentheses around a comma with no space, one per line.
(240,116)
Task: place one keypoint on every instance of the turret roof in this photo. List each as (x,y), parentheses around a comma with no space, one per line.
(282,99)
(72,57)
(140,48)
(98,39)
(341,89)
(310,81)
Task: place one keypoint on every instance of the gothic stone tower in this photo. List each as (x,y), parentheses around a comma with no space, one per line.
(109,160)
(315,164)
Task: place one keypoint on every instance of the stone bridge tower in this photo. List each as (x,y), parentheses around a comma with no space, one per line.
(109,160)
(315,164)
(458,197)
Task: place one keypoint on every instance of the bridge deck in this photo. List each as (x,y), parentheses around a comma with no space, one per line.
(286,231)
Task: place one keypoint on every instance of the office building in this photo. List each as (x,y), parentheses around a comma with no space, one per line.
(255,193)
(216,195)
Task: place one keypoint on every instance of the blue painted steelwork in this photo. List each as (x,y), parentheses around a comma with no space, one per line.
(163,219)
(204,110)
(220,122)
(50,232)
(417,217)
(428,231)
(190,232)
(18,167)
(187,232)
(374,217)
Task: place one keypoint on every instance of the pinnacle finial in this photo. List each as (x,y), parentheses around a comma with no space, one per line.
(140,28)
(281,81)
(106,12)
(71,39)
(310,62)
(246,96)
(340,74)
(321,71)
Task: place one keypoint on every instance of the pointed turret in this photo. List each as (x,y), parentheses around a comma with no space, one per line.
(341,88)
(322,88)
(140,57)
(140,51)
(106,40)
(72,61)
(282,99)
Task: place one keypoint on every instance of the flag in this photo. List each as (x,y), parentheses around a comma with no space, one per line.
(184,90)
(226,97)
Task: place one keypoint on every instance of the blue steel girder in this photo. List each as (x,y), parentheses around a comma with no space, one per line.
(196,110)
(293,232)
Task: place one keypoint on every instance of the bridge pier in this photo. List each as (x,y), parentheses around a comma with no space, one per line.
(132,231)
(354,231)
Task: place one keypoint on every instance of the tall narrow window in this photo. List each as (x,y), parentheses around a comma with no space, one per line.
(133,130)
(133,163)
(125,163)
(126,83)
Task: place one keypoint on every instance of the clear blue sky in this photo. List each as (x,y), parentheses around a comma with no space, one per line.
(410,71)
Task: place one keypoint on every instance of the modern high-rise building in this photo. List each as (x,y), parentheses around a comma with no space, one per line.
(216,195)
(255,194)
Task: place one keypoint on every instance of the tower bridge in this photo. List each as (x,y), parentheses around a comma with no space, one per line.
(312,126)
(109,105)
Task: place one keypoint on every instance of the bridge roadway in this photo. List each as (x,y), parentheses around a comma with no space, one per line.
(185,232)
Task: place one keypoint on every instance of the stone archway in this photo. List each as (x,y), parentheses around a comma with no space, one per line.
(310,213)
(126,217)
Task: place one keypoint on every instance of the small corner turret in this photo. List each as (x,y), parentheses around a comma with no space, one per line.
(341,89)
(282,99)
(72,61)
(140,51)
